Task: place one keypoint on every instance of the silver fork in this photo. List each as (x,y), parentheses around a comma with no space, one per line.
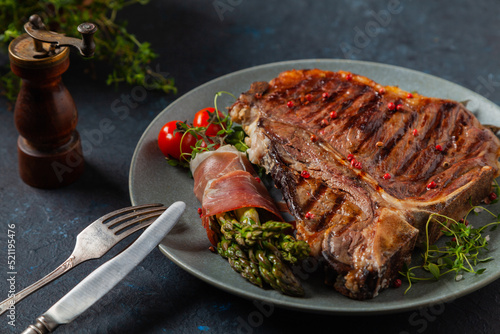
(95,241)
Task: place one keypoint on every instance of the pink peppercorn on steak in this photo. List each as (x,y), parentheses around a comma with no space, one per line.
(362,166)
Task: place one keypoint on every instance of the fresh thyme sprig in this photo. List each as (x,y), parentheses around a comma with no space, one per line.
(113,39)
(461,254)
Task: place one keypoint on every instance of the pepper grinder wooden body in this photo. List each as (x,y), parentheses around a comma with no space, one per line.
(49,147)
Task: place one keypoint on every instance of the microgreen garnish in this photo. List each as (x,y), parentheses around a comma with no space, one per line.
(461,254)
(230,133)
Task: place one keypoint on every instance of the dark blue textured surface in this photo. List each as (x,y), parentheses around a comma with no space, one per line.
(456,40)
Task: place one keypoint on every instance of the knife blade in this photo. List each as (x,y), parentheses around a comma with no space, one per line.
(104,278)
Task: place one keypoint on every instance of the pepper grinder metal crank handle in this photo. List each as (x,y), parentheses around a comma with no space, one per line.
(36,29)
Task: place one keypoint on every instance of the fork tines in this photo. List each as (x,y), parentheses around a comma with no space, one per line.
(131,219)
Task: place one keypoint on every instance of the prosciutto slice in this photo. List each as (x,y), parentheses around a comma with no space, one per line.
(224,180)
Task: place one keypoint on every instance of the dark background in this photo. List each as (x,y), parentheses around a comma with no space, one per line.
(456,40)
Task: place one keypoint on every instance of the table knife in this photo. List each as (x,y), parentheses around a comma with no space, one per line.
(104,278)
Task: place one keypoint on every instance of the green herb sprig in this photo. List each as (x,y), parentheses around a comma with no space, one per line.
(113,40)
(230,133)
(461,254)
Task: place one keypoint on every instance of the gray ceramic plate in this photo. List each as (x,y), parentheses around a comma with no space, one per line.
(153,180)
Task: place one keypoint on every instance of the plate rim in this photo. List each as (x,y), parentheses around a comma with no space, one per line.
(390,309)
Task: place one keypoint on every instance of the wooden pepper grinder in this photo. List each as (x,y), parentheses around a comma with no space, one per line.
(49,147)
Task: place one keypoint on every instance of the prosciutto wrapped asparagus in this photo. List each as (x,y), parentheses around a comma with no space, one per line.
(233,203)
(224,180)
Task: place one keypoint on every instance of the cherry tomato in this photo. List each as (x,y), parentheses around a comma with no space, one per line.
(202,117)
(170,142)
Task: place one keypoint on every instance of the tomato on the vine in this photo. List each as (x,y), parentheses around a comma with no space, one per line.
(202,118)
(170,142)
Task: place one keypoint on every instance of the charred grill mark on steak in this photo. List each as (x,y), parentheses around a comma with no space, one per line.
(432,124)
(314,190)
(359,221)
(293,144)
(363,119)
(390,143)
(328,215)
(355,93)
(324,204)
(333,202)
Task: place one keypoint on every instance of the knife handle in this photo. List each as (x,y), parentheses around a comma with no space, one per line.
(42,326)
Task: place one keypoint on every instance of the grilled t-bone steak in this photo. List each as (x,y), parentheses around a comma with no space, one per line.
(362,166)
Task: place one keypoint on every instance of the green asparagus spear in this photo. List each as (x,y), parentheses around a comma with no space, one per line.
(247,215)
(239,261)
(291,249)
(246,233)
(260,252)
(276,273)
